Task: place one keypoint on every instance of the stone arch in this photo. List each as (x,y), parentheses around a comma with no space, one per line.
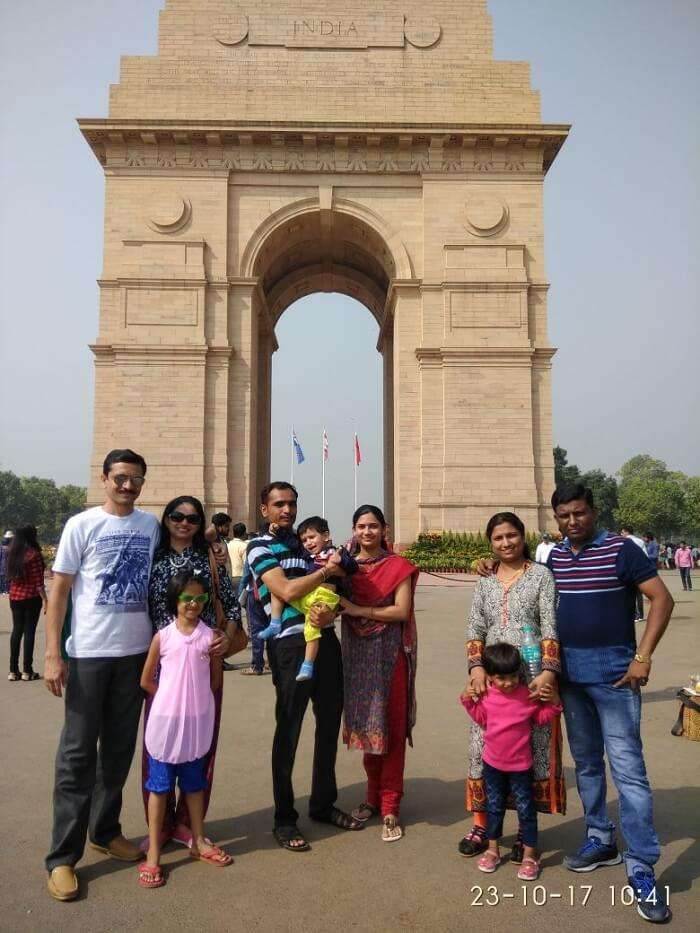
(306,247)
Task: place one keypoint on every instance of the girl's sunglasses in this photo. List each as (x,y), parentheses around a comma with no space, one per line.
(178,517)
(203,598)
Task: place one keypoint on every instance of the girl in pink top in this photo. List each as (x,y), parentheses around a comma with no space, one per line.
(507,714)
(181,722)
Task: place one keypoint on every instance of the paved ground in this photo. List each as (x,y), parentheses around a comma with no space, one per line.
(349,880)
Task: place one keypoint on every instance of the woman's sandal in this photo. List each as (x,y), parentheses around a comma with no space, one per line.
(472,844)
(215,856)
(340,819)
(183,837)
(251,672)
(364,813)
(489,862)
(391,830)
(286,835)
(151,876)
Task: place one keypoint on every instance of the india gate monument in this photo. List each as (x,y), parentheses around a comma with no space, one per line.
(273,150)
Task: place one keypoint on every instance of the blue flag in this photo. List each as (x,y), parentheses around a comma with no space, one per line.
(297,448)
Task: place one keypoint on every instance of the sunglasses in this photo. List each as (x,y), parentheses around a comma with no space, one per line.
(203,598)
(178,517)
(121,479)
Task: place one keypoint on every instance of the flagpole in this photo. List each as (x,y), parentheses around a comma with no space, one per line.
(323,474)
(291,441)
(354,460)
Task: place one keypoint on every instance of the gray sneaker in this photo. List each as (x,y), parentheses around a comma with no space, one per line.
(592,854)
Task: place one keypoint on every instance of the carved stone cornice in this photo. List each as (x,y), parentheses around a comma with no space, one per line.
(216,147)
(474,356)
(196,354)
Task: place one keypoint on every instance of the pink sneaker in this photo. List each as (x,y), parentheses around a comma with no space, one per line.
(529,870)
(489,862)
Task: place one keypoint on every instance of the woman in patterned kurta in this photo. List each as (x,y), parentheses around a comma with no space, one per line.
(379,666)
(183,543)
(520,593)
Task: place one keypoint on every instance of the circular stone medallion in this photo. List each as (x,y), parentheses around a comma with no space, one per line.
(169,213)
(422,32)
(230,30)
(486,215)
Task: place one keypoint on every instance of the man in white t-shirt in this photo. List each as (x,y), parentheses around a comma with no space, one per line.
(104,561)
(627,531)
(544,548)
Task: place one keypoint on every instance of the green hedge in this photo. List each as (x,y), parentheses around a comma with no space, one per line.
(452,551)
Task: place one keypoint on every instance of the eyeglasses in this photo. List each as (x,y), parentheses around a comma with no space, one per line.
(121,479)
(203,598)
(178,517)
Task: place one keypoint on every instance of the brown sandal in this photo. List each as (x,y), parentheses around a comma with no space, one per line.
(364,813)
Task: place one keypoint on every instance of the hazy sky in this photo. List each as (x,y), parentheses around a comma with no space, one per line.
(621,232)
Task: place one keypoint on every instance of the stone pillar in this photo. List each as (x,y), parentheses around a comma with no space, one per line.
(407,440)
(243,396)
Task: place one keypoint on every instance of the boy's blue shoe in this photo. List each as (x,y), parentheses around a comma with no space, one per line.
(274,628)
(592,854)
(651,899)
(306,671)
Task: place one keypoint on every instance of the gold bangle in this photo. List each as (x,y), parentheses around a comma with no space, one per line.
(371,614)
(642,658)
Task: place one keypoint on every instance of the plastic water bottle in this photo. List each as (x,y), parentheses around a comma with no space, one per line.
(531,653)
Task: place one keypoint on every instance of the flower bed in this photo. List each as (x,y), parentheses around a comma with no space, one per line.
(453,552)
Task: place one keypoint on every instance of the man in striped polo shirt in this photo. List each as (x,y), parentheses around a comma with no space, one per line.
(280,568)
(597,576)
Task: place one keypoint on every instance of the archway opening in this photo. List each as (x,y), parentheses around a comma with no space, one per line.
(327,374)
(323,269)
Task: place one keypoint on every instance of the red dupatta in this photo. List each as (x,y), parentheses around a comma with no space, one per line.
(373,583)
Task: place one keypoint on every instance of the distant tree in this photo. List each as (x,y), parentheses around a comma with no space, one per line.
(654,504)
(691,516)
(74,499)
(604,489)
(565,474)
(36,501)
(11,500)
(43,506)
(643,466)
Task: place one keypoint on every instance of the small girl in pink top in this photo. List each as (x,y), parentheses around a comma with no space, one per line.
(181,722)
(507,714)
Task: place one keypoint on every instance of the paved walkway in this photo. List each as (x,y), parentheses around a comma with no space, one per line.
(349,880)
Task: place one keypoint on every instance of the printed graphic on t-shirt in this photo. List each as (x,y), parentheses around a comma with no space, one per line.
(124,580)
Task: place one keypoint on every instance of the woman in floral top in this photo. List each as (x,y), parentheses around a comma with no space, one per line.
(182,543)
(520,593)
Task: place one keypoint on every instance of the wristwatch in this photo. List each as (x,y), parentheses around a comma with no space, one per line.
(643,658)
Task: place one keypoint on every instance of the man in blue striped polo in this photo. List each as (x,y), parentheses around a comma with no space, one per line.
(598,575)
(281,568)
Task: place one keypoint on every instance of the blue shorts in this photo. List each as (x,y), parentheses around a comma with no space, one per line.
(162,775)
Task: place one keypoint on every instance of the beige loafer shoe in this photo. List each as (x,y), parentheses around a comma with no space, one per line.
(63,884)
(120,848)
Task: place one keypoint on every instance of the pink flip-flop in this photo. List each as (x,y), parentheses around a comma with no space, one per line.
(529,870)
(151,876)
(488,862)
(215,856)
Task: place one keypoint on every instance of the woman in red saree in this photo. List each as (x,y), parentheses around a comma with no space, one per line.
(379,664)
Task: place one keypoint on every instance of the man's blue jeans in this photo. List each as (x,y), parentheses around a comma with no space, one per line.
(602,719)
